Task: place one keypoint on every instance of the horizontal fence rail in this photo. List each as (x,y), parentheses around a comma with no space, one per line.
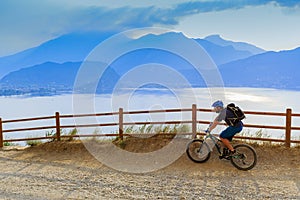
(57,126)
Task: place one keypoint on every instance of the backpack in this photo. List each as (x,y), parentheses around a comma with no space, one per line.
(237,113)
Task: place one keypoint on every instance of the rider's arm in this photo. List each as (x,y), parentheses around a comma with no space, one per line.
(217,120)
(213,125)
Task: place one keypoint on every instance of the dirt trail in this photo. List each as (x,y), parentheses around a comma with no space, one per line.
(66,170)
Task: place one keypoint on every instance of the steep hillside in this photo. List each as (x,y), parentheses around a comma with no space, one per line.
(271,69)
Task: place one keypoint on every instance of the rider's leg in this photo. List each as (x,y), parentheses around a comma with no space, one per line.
(227,143)
(227,135)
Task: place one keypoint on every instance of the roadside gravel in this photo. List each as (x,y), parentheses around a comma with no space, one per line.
(65,170)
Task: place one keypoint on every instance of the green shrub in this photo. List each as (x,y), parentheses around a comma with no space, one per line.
(8,144)
(72,133)
(63,132)
(152,129)
(33,142)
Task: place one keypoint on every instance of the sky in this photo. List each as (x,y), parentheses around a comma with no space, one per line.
(271,25)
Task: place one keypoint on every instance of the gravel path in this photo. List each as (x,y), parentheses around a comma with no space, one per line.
(68,171)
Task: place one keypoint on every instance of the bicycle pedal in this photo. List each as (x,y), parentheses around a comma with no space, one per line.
(236,156)
(224,157)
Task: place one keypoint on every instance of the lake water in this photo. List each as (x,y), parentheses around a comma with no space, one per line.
(249,99)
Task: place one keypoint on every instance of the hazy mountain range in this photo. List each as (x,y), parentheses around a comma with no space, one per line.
(51,68)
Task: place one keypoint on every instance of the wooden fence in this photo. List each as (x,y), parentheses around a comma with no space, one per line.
(194,121)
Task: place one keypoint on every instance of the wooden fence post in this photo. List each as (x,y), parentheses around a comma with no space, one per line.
(194,120)
(121,123)
(288,125)
(57,126)
(1,134)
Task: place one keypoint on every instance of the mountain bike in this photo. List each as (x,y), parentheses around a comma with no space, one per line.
(199,151)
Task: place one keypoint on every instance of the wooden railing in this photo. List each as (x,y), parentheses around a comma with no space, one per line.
(193,121)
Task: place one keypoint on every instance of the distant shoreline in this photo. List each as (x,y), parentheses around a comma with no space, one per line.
(44,92)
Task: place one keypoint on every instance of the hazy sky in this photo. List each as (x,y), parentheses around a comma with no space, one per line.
(272,25)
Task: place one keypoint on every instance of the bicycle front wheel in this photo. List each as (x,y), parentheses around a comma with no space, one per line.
(245,157)
(198,151)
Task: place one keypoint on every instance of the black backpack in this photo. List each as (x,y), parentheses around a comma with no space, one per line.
(238,114)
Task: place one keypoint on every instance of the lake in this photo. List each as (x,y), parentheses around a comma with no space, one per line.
(249,99)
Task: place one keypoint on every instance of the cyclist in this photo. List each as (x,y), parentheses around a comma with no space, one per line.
(227,134)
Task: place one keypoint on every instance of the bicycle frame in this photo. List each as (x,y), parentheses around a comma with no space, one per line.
(215,140)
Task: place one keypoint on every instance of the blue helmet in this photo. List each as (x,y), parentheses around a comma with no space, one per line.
(217,104)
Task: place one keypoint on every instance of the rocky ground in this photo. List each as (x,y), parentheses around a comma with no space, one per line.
(66,170)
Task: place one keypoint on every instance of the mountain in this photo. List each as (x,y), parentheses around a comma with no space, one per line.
(52,67)
(74,47)
(241,46)
(270,70)
(223,54)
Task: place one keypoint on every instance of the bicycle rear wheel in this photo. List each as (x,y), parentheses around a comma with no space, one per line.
(198,151)
(245,157)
